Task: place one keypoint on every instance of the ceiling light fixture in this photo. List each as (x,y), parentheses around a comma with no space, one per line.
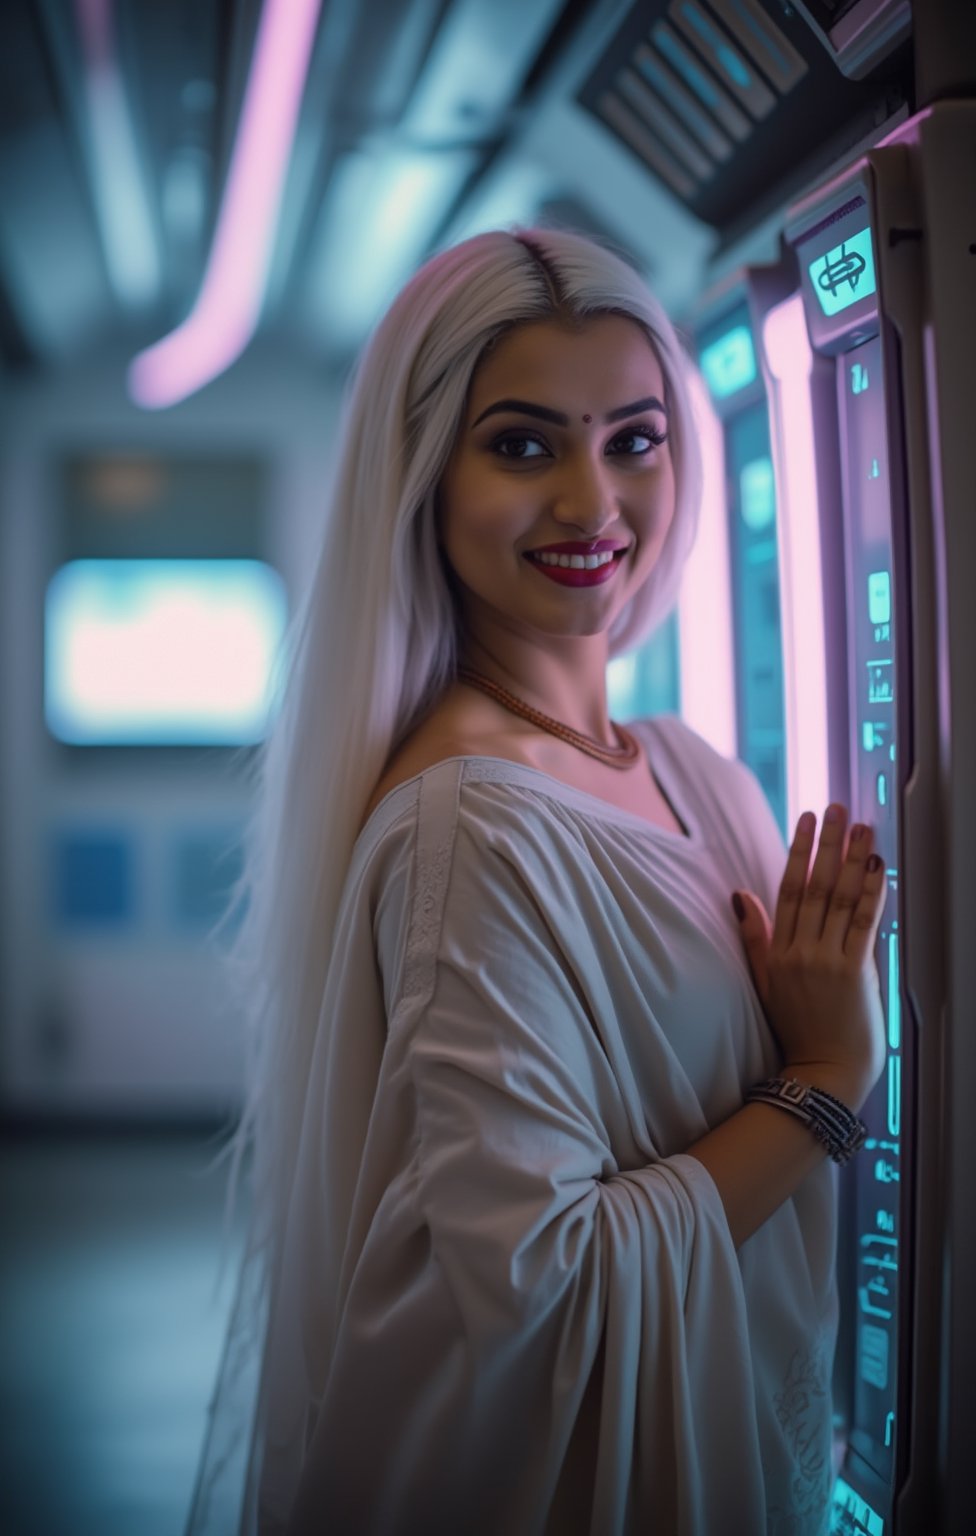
(118,187)
(228,307)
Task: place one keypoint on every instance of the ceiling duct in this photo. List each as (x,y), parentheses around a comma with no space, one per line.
(731,103)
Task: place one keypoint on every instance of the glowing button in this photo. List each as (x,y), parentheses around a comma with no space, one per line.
(879,597)
(729,363)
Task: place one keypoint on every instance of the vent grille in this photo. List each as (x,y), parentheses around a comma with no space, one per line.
(720,101)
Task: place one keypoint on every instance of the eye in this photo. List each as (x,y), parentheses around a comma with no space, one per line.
(518,445)
(637,441)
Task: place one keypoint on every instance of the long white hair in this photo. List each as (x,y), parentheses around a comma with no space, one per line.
(375,639)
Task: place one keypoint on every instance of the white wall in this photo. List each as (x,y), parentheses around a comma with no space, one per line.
(130,1024)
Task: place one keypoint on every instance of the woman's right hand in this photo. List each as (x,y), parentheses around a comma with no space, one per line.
(814,967)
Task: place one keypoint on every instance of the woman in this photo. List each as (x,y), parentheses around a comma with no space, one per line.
(536,1264)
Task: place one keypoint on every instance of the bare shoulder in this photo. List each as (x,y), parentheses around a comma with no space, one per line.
(453,729)
(416,755)
(462,724)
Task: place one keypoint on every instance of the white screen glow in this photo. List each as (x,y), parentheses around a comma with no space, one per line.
(161,652)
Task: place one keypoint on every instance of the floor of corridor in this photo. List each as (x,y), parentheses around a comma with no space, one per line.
(111,1329)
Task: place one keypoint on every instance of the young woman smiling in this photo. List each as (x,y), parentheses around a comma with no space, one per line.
(543,1128)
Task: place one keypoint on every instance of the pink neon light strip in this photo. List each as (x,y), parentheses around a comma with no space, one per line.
(95,17)
(790,362)
(227,310)
(705,635)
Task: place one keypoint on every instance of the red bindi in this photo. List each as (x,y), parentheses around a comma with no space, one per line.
(587,418)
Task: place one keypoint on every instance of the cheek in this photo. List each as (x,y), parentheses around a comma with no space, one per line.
(658,497)
(656,518)
(475,507)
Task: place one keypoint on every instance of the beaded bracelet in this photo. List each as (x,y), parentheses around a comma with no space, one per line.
(833,1124)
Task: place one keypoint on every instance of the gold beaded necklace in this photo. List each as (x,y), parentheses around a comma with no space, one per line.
(615,757)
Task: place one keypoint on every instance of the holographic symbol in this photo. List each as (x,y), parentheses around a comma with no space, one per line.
(880,684)
(859,374)
(878,1267)
(873,735)
(847,267)
(844,275)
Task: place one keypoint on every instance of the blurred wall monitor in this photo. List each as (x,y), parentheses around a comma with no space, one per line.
(161,652)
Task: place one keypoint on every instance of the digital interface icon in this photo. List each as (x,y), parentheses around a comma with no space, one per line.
(845,274)
(874,735)
(847,267)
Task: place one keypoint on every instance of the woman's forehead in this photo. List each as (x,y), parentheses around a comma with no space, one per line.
(607,352)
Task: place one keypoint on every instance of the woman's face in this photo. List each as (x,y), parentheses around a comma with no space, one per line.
(564,439)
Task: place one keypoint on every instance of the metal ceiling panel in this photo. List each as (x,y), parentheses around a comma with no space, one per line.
(561,156)
(363,73)
(859,33)
(172,58)
(683,80)
(667,126)
(51,265)
(390,194)
(481,58)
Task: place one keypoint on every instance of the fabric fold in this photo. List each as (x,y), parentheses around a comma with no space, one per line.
(509,1301)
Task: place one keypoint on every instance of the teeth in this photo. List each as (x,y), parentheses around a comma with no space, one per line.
(576,562)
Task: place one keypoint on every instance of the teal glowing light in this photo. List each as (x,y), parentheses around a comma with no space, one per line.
(879,597)
(682,61)
(894,1095)
(757,494)
(731,61)
(729,364)
(859,379)
(845,274)
(894,994)
(873,1355)
(850,1512)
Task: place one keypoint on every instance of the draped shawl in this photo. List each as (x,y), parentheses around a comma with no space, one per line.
(509,1303)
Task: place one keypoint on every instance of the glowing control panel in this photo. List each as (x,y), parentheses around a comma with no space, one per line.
(873,680)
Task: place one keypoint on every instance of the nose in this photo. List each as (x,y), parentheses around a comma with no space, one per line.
(584,497)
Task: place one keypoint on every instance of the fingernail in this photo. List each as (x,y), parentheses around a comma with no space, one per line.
(738,906)
(873,864)
(833,813)
(857,831)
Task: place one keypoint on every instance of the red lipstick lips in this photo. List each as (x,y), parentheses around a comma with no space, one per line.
(566,576)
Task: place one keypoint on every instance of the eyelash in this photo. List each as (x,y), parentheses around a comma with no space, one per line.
(654,437)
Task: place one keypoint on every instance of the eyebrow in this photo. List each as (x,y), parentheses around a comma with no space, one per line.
(526,408)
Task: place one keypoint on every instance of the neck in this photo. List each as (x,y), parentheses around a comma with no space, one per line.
(576,697)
